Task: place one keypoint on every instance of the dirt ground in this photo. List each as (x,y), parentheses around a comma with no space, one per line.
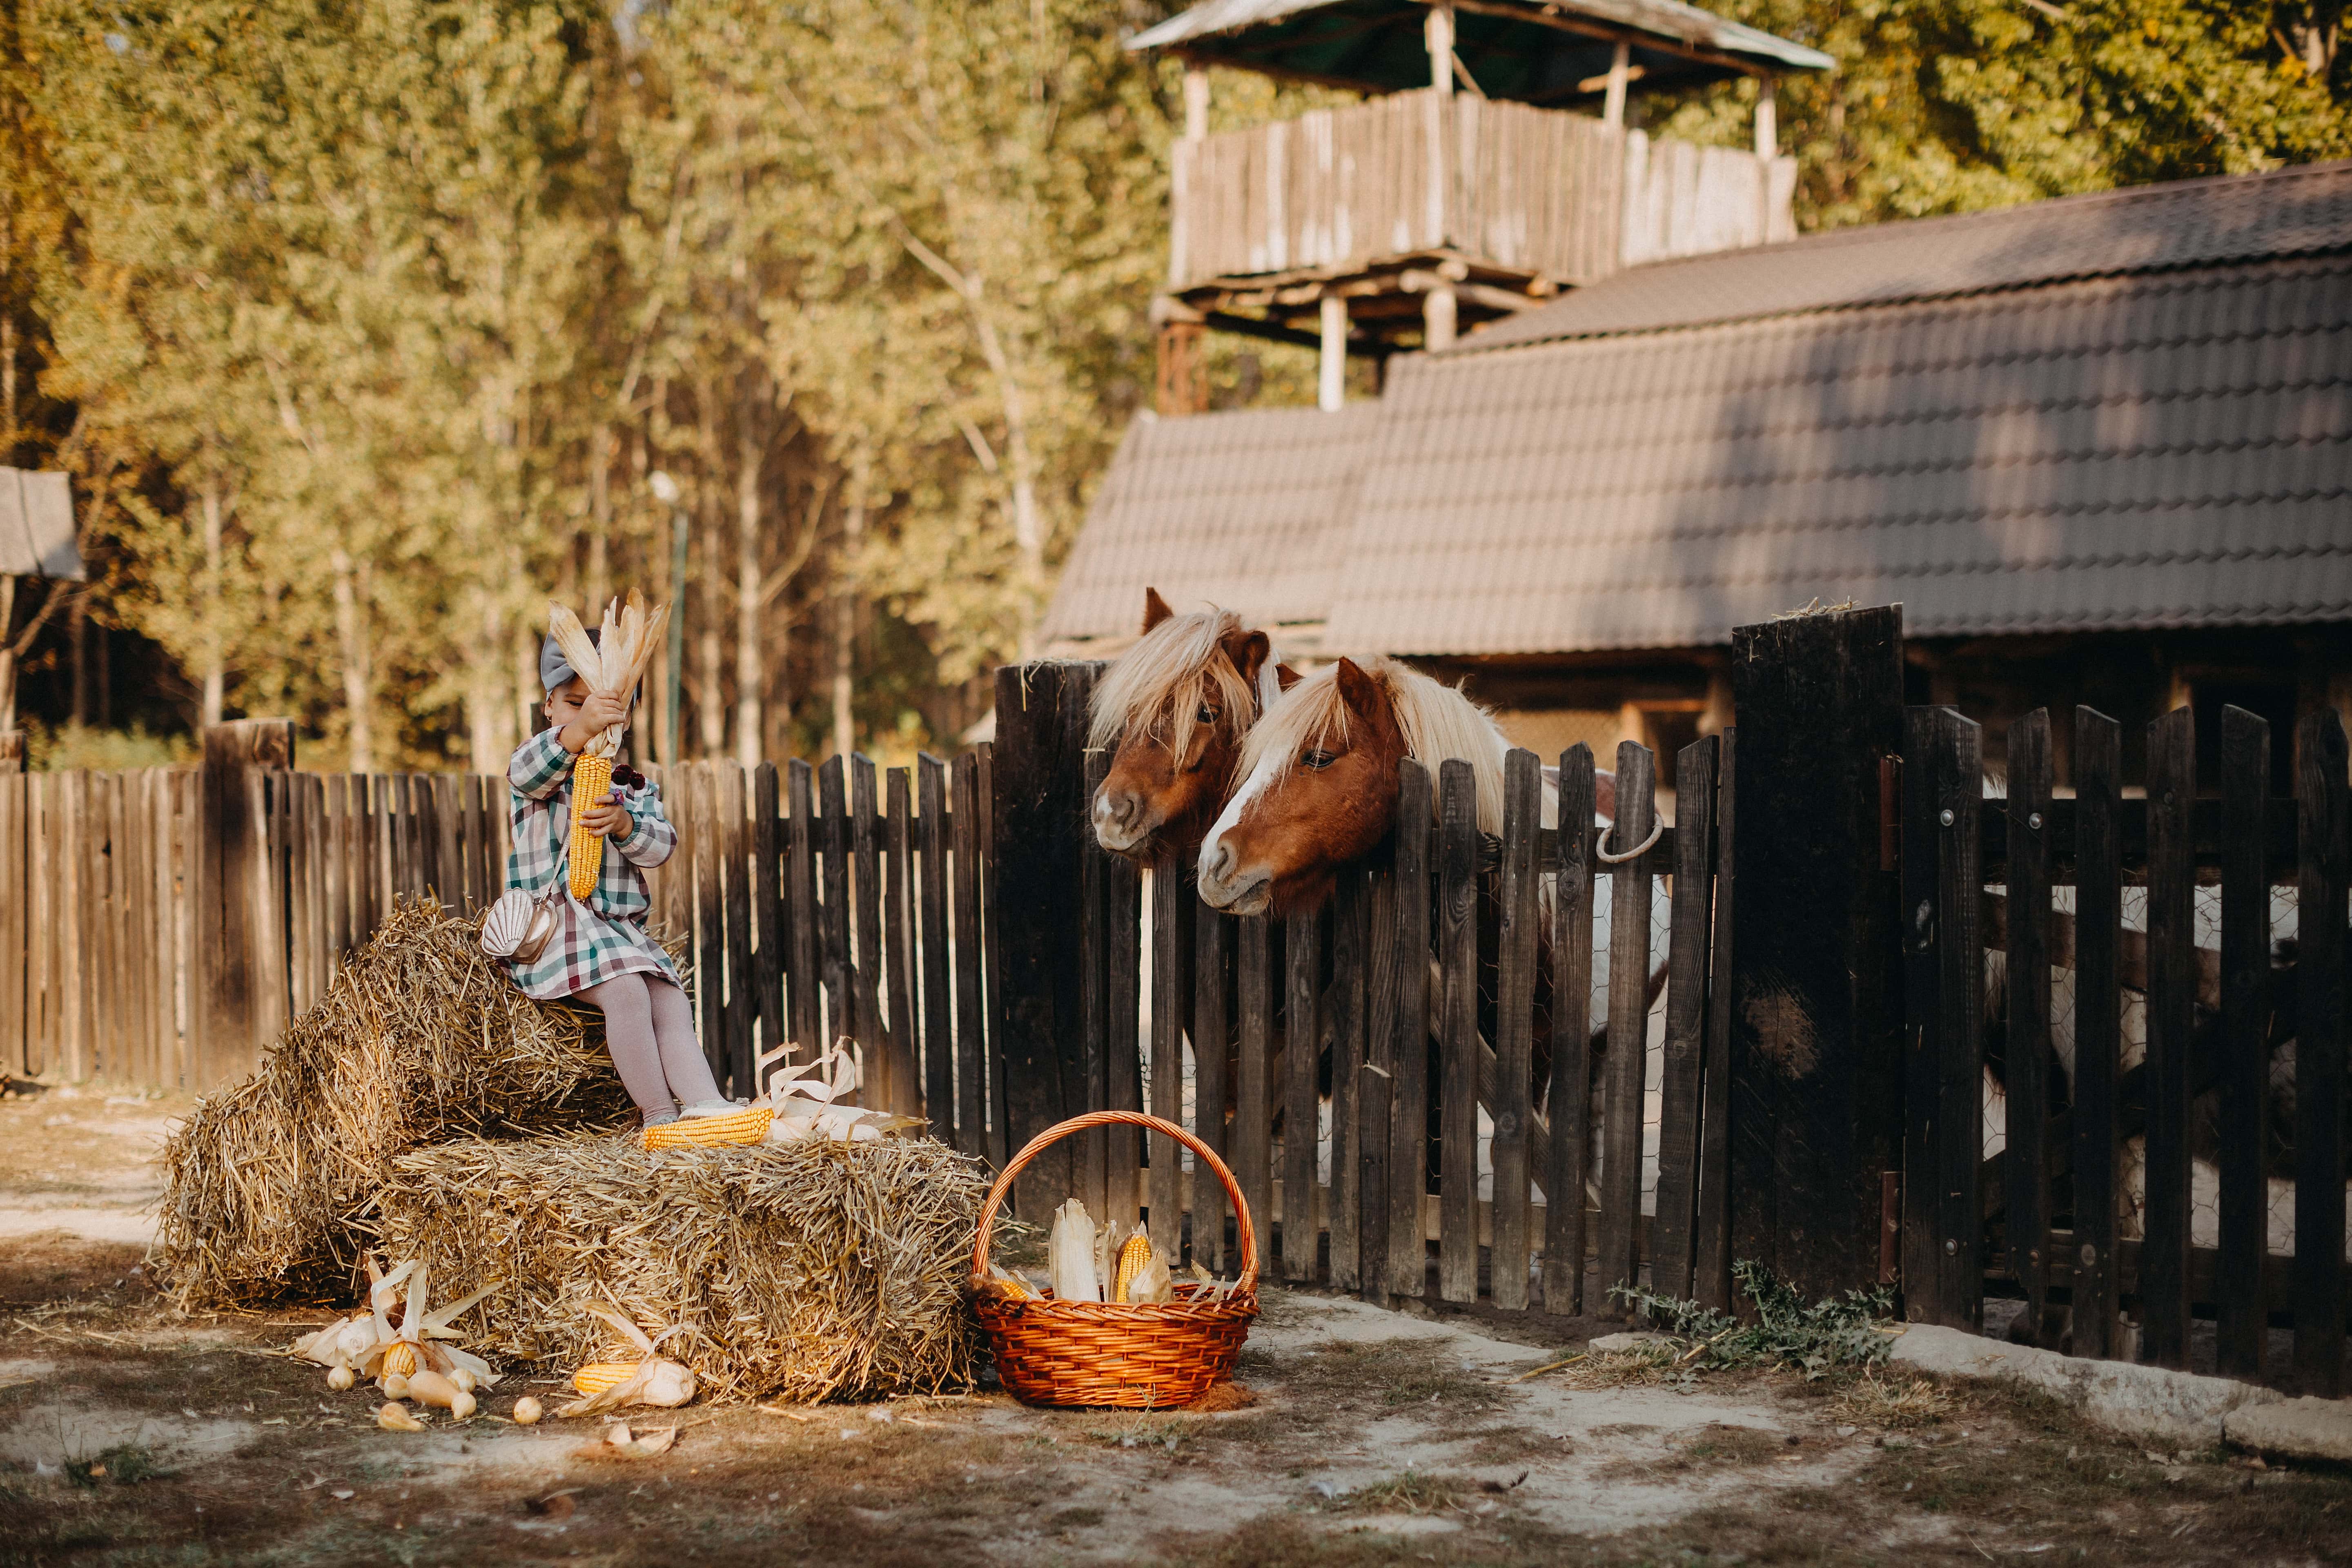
(131,1434)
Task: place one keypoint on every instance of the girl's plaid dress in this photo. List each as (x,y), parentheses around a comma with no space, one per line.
(605,936)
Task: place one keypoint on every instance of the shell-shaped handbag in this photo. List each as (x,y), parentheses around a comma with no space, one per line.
(518,926)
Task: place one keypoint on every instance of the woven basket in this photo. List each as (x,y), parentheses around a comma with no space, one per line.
(1140,1355)
(703,1131)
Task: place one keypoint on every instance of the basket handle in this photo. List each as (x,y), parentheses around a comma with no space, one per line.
(1246,1284)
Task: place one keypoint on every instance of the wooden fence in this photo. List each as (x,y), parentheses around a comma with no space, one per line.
(2146,1067)
(1414,1113)
(161,927)
(1543,191)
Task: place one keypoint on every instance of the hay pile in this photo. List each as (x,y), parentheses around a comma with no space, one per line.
(808,1271)
(272,1183)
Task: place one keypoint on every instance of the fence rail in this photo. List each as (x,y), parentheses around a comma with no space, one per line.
(161,927)
(1560,196)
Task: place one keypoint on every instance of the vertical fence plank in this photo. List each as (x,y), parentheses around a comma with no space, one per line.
(1409,1047)
(806,1019)
(1376,1085)
(15,1036)
(898,945)
(1457,947)
(938,1052)
(833,836)
(1628,1020)
(1252,1134)
(80,898)
(970,1036)
(1682,1081)
(1568,1098)
(767,914)
(1122,927)
(1000,1119)
(2324,813)
(1959,776)
(2241,1319)
(41,885)
(709,917)
(881,1087)
(1346,1026)
(732,837)
(1212,950)
(1301,1110)
(1168,896)
(1093,1153)
(2027,1227)
(1515,1028)
(449,824)
(164,893)
(2098,920)
(2171,1024)
(1711,1283)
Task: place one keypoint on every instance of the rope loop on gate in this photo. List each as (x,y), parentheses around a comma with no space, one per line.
(1636,853)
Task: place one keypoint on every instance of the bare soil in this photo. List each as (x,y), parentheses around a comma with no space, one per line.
(130,1434)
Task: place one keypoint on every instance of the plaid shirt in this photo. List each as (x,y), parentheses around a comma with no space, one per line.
(605,935)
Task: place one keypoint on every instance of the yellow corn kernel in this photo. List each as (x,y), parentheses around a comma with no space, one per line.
(591,776)
(1131,1260)
(598,1375)
(748,1126)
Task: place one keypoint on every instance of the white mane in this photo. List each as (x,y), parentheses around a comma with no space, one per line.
(1440,725)
(1163,679)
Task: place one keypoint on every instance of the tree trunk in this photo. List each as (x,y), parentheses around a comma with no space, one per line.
(7,654)
(748,732)
(350,632)
(599,516)
(711,646)
(844,611)
(215,524)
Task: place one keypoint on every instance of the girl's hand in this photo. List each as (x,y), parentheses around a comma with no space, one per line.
(597,713)
(609,818)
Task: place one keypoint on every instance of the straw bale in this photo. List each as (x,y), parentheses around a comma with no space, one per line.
(271,1182)
(807,1271)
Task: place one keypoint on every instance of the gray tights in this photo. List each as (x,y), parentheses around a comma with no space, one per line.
(649,1029)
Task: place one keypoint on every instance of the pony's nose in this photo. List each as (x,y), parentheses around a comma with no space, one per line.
(1217,862)
(1114,808)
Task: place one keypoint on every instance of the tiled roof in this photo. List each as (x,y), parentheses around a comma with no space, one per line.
(1247,510)
(2289,212)
(2163,449)
(2100,414)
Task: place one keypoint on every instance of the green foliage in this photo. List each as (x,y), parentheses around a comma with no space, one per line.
(1944,106)
(71,748)
(1848,1330)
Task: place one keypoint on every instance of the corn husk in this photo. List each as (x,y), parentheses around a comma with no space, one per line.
(1070,1263)
(1152,1282)
(617,661)
(271,1186)
(811,1271)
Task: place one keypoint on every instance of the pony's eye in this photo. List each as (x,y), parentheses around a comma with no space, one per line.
(1317,760)
(1205,716)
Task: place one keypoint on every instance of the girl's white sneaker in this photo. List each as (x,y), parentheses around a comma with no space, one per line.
(711,1108)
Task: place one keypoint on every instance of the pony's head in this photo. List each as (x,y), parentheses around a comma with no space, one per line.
(1319,780)
(1176,706)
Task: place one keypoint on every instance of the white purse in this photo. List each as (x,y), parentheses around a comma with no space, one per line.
(519,926)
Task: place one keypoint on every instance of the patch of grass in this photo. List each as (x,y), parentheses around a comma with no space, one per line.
(1849,1330)
(1721,1444)
(124,1465)
(1077,1519)
(1390,1373)
(1503,1445)
(1411,1492)
(1893,1402)
(1144,1429)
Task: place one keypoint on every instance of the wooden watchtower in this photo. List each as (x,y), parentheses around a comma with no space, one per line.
(1488,167)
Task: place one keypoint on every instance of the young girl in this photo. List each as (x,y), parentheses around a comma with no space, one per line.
(602,954)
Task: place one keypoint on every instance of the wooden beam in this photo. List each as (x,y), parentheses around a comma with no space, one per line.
(1588,27)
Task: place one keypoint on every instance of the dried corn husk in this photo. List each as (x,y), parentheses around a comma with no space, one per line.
(1070,1265)
(1153,1281)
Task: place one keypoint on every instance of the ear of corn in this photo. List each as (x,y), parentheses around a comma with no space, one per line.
(743,1127)
(402,1359)
(592,776)
(598,1375)
(1131,1260)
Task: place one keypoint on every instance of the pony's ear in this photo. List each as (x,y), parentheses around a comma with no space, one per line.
(1286,677)
(1360,691)
(1155,608)
(1248,651)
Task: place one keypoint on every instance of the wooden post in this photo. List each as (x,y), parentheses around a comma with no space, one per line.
(1768,118)
(2098,854)
(1437,317)
(2027,1228)
(1438,127)
(12,751)
(1331,369)
(2242,1321)
(232,855)
(1039,828)
(2171,1022)
(1196,102)
(1815,1021)
(2323,833)
(1612,107)
(1568,1098)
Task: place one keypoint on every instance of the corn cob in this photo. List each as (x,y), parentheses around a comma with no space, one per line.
(743,1127)
(598,1375)
(401,1359)
(1131,1260)
(591,776)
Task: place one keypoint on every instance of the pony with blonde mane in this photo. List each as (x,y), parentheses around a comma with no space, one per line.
(1172,710)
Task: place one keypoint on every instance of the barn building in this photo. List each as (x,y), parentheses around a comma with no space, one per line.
(2099,447)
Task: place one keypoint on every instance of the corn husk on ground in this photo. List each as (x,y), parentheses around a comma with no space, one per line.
(813,1271)
(370,1344)
(271,1184)
(612,665)
(652,1379)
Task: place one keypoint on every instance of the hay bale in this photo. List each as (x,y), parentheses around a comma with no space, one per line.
(813,1271)
(271,1184)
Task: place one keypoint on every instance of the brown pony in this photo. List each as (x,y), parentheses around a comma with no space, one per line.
(1176,706)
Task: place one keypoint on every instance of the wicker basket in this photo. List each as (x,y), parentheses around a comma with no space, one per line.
(1141,1355)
